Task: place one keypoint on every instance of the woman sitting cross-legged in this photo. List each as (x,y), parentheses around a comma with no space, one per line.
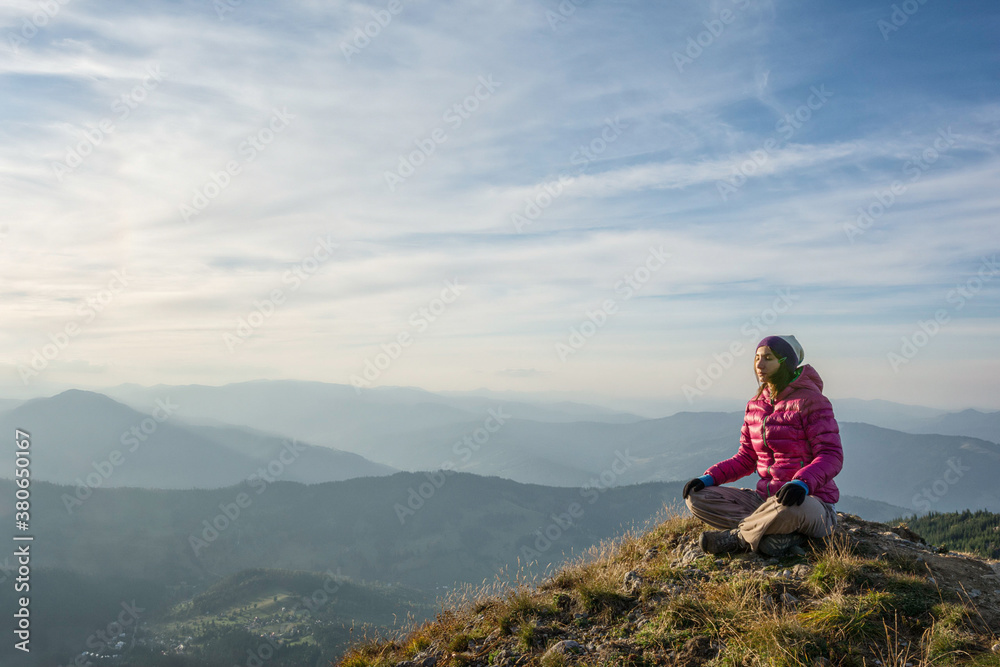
(791,439)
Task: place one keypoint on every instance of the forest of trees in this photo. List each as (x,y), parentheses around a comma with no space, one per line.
(973,532)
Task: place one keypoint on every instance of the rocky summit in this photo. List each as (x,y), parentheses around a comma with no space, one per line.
(870,594)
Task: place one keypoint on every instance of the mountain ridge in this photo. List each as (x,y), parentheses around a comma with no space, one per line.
(94,441)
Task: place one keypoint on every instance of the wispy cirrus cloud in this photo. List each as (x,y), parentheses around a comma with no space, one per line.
(351,121)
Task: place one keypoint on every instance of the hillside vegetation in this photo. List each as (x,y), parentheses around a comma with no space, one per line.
(869,595)
(290,618)
(974,532)
(374,529)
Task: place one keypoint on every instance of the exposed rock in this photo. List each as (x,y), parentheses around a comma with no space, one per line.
(907,534)
(801,570)
(690,554)
(632,582)
(697,651)
(565,647)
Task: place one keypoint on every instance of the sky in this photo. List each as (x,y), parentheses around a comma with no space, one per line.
(611,201)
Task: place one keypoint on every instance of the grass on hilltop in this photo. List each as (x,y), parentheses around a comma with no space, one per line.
(852,608)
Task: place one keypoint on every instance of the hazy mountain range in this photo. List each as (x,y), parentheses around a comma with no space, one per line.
(920,419)
(173,492)
(326,413)
(209,437)
(76,434)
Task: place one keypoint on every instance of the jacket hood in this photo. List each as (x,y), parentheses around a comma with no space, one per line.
(808,377)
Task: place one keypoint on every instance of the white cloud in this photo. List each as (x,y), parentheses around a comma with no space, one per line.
(656,183)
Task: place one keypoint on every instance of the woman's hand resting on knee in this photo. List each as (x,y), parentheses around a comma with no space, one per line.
(791,493)
(694,485)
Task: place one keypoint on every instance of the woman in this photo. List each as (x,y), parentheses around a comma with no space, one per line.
(790,437)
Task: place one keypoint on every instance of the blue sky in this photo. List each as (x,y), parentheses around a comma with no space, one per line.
(273,164)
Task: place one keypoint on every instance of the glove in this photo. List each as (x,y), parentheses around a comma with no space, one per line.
(694,485)
(792,493)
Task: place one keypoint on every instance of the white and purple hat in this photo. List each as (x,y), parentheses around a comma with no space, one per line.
(785,346)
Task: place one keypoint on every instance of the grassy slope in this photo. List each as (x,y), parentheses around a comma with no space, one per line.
(655,599)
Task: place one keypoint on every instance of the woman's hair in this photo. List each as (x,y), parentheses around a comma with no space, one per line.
(780,379)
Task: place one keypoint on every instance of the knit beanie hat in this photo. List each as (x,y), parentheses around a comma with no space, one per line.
(785,346)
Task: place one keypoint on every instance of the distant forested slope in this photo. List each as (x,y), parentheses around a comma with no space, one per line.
(974,532)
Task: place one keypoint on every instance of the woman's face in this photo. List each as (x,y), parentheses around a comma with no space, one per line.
(765,363)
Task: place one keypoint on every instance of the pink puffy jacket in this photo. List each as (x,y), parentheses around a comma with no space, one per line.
(796,438)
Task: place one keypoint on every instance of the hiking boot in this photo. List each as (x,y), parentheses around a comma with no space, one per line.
(781,545)
(722,542)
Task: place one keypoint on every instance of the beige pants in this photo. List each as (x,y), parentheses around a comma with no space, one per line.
(726,507)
